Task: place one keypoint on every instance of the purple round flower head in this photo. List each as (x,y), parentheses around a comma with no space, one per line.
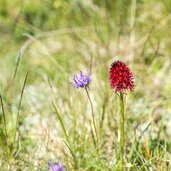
(81,80)
(55,167)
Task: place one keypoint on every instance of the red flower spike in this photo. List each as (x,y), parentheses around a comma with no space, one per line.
(121,78)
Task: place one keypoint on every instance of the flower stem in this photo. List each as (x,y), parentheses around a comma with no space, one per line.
(122,132)
(93,118)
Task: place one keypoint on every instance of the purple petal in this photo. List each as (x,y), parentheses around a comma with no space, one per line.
(55,167)
(81,80)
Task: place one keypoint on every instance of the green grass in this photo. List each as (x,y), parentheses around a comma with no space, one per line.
(51,40)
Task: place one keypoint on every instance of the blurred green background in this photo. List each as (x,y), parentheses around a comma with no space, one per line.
(53,39)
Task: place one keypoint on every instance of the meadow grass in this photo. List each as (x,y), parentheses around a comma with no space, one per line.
(43,118)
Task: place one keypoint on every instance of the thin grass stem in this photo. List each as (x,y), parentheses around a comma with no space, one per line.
(66,135)
(5,123)
(19,106)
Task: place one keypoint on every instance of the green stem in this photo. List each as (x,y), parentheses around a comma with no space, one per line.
(19,107)
(93,118)
(66,135)
(5,126)
(62,124)
(122,132)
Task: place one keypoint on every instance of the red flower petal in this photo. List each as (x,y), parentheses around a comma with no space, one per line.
(121,78)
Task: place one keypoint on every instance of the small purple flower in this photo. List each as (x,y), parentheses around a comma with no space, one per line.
(55,167)
(81,80)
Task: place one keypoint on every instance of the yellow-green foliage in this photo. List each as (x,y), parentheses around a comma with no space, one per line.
(51,40)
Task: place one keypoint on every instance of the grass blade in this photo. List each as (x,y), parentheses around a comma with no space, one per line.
(5,127)
(19,106)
